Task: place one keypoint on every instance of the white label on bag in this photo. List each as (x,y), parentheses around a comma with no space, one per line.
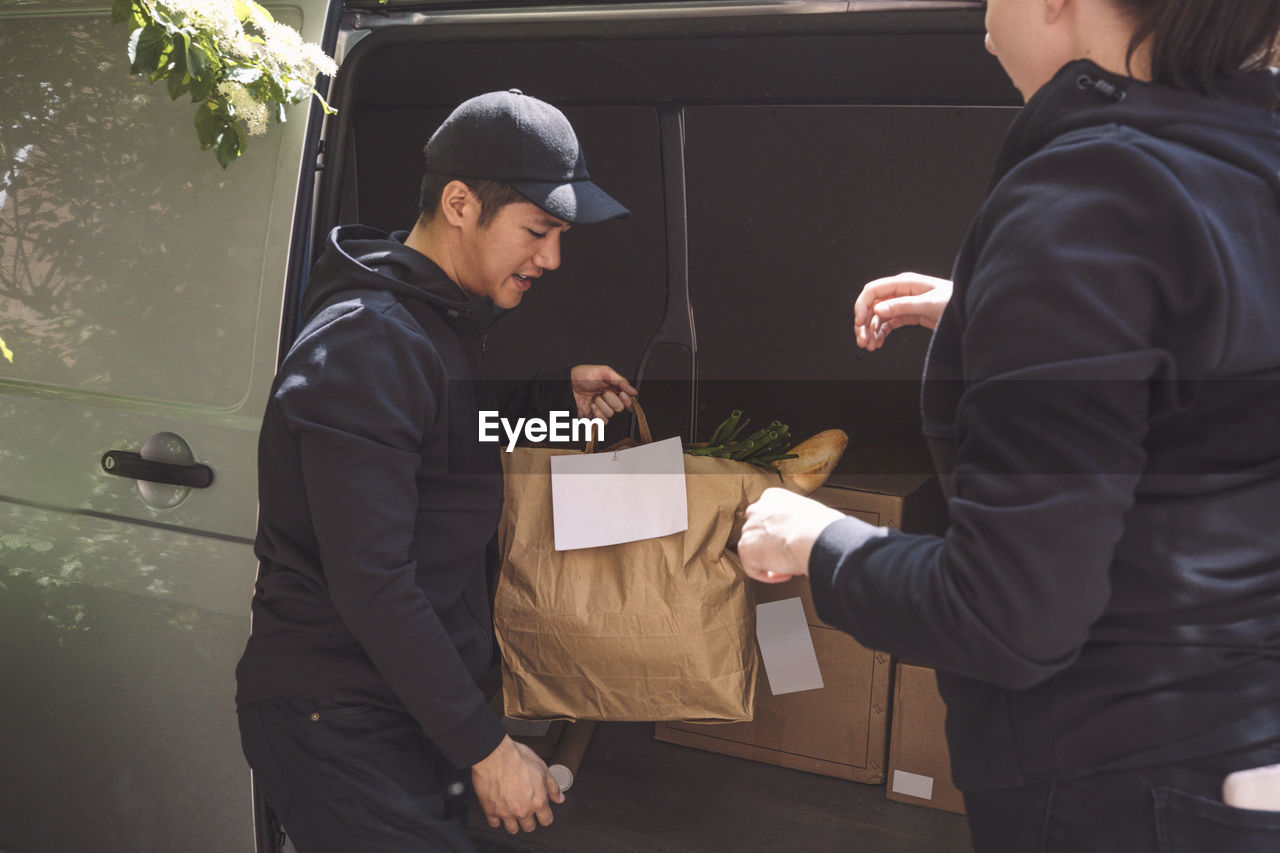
(786,646)
(618,496)
(913,784)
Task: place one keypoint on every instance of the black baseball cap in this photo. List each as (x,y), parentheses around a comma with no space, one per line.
(527,143)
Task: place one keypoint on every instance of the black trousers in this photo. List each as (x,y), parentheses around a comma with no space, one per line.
(355,779)
(1176,808)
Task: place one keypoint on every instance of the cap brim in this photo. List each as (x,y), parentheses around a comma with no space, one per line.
(578,202)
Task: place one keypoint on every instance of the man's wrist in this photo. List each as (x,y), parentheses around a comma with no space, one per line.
(506,745)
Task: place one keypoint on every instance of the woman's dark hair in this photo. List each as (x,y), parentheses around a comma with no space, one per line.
(1194,41)
(493,195)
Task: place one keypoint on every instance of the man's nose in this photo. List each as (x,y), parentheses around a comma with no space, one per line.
(548,256)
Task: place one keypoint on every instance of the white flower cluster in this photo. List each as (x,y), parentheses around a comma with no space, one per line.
(239,64)
(245,107)
(287,49)
(279,49)
(216,16)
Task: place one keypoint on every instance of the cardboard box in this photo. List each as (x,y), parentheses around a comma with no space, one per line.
(839,730)
(919,764)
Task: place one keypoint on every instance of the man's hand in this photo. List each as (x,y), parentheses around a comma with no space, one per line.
(906,299)
(779,532)
(514,788)
(600,391)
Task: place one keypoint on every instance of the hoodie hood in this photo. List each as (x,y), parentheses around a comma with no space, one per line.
(357,257)
(1240,125)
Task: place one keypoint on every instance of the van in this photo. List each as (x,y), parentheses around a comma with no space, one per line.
(774,155)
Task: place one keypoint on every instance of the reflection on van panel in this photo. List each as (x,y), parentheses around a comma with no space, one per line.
(140,290)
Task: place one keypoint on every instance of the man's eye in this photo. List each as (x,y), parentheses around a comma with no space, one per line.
(538,234)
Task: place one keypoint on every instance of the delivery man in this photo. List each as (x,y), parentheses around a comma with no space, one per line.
(357,692)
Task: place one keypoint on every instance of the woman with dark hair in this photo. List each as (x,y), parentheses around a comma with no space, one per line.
(1102,398)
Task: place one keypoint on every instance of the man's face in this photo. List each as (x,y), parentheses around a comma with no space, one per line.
(502,259)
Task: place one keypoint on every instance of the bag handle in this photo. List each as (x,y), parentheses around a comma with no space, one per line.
(638,413)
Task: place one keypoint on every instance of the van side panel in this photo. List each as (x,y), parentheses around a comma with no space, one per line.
(140,293)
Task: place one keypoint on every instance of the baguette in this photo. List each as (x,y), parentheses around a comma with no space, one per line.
(816,458)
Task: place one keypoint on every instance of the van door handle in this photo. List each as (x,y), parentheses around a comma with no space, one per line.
(125,463)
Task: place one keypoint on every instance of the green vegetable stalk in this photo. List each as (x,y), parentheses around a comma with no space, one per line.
(762,447)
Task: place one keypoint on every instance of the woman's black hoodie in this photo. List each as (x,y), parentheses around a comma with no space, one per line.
(1103,400)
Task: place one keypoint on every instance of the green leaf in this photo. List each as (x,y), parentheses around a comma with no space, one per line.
(156,49)
(177,71)
(203,71)
(201,89)
(177,86)
(146,50)
(6,352)
(197,61)
(228,148)
(208,122)
(275,90)
(244,10)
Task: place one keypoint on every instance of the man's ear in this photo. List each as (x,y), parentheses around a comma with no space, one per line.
(459,204)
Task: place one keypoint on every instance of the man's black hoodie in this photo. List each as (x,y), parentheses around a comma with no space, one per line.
(377,501)
(1103,400)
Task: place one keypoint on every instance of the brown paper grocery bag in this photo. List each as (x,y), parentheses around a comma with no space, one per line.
(660,629)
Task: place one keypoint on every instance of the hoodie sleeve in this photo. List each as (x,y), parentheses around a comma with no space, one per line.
(1079,253)
(359,392)
(547,392)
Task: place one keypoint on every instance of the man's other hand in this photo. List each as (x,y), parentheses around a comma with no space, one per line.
(514,788)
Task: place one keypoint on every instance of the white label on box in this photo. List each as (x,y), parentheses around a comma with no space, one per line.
(619,496)
(786,647)
(913,784)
